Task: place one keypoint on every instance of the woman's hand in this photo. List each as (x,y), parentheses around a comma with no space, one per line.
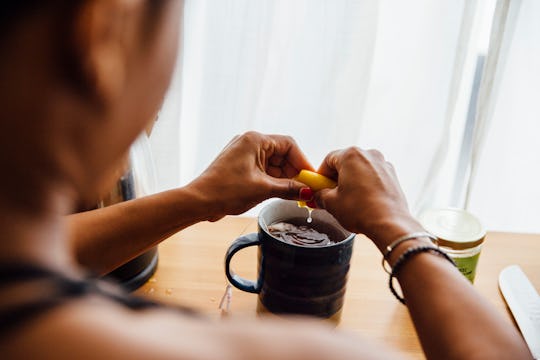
(368,198)
(251,168)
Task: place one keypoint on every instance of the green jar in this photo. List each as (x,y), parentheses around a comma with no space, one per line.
(459,233)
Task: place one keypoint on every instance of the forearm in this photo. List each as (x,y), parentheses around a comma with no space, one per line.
(452,320)
(105,238)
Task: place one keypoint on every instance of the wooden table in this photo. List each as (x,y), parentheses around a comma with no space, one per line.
(190,272)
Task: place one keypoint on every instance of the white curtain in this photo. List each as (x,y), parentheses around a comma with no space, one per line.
(505,186)
(391,75)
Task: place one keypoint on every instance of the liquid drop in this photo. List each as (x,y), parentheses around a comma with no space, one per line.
(309,218)
(302,204)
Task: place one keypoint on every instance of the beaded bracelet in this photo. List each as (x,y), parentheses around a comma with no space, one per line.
(408,254)
(400,240)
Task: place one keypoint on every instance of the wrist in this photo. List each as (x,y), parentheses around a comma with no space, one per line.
(401,248)
(205,206)
(392,228)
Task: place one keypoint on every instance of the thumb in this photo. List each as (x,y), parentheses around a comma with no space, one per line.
(326,199)
(285,188)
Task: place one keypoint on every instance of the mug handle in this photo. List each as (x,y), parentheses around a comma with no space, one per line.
(239,282)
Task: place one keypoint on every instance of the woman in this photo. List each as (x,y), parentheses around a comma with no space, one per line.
(80,79)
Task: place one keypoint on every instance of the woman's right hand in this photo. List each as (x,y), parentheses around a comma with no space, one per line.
(368,198)
(253,167)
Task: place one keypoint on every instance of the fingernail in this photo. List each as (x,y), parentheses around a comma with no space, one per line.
(306,194)
(312,204)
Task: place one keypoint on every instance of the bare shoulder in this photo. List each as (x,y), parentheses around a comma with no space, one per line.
(96,328)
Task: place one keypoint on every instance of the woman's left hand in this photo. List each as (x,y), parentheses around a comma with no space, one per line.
(251,168)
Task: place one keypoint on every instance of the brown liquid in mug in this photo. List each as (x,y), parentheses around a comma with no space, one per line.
(295,231)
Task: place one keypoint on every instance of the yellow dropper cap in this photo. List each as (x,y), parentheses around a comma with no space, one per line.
(315,181)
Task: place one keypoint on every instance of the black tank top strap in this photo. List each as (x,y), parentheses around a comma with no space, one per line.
(60,289)
(15,272)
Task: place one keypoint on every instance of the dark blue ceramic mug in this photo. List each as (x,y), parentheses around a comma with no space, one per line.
(296,279)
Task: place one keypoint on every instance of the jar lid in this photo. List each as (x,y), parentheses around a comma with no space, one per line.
(455,228)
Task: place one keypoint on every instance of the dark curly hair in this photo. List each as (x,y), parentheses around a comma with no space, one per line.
(13,12)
